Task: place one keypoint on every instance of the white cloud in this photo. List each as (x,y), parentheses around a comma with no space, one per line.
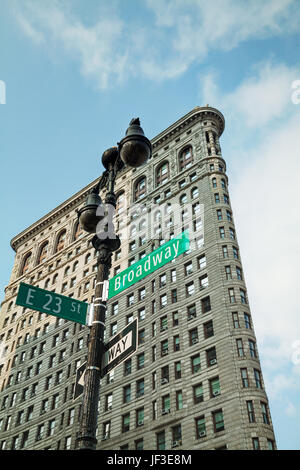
(177,35)
(264,96)
(264,141)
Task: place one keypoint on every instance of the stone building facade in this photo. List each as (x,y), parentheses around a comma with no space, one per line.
(195,381)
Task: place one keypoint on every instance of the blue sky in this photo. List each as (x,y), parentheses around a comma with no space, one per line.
(76,72)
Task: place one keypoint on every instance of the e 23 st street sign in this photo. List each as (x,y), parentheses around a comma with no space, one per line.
(54,304)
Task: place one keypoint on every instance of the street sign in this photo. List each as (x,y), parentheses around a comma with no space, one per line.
(79,382)
(155,260)
(54,304)
(119,348)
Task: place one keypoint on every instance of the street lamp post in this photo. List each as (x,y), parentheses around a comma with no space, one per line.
(133,150)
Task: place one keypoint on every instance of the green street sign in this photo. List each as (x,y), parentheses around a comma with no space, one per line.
(54,304)
(155,260)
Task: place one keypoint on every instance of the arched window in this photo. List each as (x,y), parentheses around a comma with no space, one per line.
(185,158)
(26,263)
(43,252)
(162,174)
(61,241)
(140,189)
(78,232)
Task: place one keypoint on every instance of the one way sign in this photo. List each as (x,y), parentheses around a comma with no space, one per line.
(119,348)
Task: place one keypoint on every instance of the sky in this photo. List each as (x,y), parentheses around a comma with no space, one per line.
(72,75)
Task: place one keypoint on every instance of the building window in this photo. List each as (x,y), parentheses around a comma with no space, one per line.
(203,281)
(185,159)
(211,356)
(214,387)
(208,329)
(252,348)
(163,300)
(255,443)
(140,361)
(140,189)
(219,214)
(250,411)
(188,268)
(43,252)
(162,174)
(198,393)
(189,289)
(228,273)
(179,403)
(127,367)
(127,394)
(141,337)
(25,264)
(194,193)
(191,312)
(205,304)
(165,406)
(231,295)
(61,241)
(108,401)
(243,296)
(130,300)
(161,440)
(225,251)
(195,363)
(177,370)
(240,347)
(257,378)
(239,273)
(218,421)
(200,427)
(247,321)
(222,232)
(193,334)
(78,232)
(264,410)
(245,380)
(126,422)
(202,262)
(140,417)
(271,445)
(235,252)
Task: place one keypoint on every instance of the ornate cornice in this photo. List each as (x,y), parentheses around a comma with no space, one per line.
(197,114)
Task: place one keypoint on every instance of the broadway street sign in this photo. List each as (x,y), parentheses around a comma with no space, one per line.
(54,304)
(119,348)
(148,264)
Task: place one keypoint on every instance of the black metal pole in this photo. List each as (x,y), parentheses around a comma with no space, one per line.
(89,413)
(86,439)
